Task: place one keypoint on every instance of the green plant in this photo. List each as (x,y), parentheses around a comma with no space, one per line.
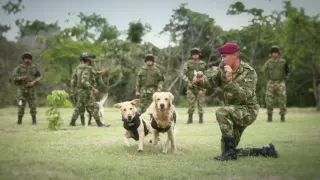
(57,99)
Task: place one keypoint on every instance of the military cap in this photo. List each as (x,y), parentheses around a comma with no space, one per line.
(195,51)
(149,57)
(26,55)
(86,56)
(229,48)
(275,49)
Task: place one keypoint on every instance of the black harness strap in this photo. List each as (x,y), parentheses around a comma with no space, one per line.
(155,126)
(133,126)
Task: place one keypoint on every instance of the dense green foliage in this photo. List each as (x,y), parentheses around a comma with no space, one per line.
(56,51)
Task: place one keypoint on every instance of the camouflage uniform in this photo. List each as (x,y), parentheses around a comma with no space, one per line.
(241,106)
(26,93)
(149,80)
(85,85)
(277,74)
(194,93)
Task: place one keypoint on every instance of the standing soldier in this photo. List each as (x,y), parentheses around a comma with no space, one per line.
(194,93)
(74,90)
(276,70)
(149,80)
(238,81)
(26,75)
(86,89)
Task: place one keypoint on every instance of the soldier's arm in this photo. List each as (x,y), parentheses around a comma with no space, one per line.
(15,74)
(85,79)
(74,80)
(265,69)
(185,72)
(243,89)
(286,70)
(212,77)
(37,75)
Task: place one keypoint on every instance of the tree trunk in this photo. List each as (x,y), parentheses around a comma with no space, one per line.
(315,88)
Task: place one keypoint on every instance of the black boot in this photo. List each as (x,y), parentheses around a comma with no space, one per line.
(89,120)
(190,119)
(201,118)
(230,152)
(82,120)
(34,120)
(73,122)
(19,119)
(99,124)
(269,118)
(267,150)
(282,118)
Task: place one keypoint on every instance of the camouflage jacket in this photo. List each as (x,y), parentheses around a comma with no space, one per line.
(276,70)
(85,76)
(74,78)
(31,72)
(241,90)
(192,66)
(149,79)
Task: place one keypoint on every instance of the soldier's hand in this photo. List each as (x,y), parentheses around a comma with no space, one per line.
(22,78)
(31,84)
(204,91)
(228,71)
(95,91)
(71,93)
(190,84)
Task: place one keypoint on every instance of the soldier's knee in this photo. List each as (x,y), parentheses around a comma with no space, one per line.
(221,112)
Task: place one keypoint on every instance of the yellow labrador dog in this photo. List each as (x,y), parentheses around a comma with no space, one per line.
(163,117)
(136,128)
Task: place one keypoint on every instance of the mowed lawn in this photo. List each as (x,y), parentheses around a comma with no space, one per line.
(34,152)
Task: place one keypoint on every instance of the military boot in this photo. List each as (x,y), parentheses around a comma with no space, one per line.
(19,119)
(73,122)
(230,152)
(269,118)
(82,120)
(267,150)
(34,119)
(89,120)
(99,124)
(201,118)
(190,119)
(282,118)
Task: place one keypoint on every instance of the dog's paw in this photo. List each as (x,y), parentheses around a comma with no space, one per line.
(140,150)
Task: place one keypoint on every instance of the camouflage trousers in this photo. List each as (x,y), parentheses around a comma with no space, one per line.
(276,94)
(82,107)
(233,120)
(24,96)
(195,96)
(145,101)
(85,100)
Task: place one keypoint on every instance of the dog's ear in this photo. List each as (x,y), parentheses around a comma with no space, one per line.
(154,97)
(135,102)
(171,97)
(118,105)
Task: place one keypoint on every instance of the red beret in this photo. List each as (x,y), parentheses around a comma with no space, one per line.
(229,48)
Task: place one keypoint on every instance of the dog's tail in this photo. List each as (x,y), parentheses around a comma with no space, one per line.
(103,100)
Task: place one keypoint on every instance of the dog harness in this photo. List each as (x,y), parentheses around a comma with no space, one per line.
(155,126)
(133,126)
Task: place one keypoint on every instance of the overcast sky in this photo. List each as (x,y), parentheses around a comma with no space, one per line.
(155,12)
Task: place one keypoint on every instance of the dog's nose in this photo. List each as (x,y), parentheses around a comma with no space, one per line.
(129,118)
(162,106)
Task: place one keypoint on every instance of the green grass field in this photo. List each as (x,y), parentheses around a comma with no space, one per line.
(34,152)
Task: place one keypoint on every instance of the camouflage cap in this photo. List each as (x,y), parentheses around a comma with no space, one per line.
(275,49)
(87,56)
(195,51)
(26,55)
(229,48)
(149,57)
